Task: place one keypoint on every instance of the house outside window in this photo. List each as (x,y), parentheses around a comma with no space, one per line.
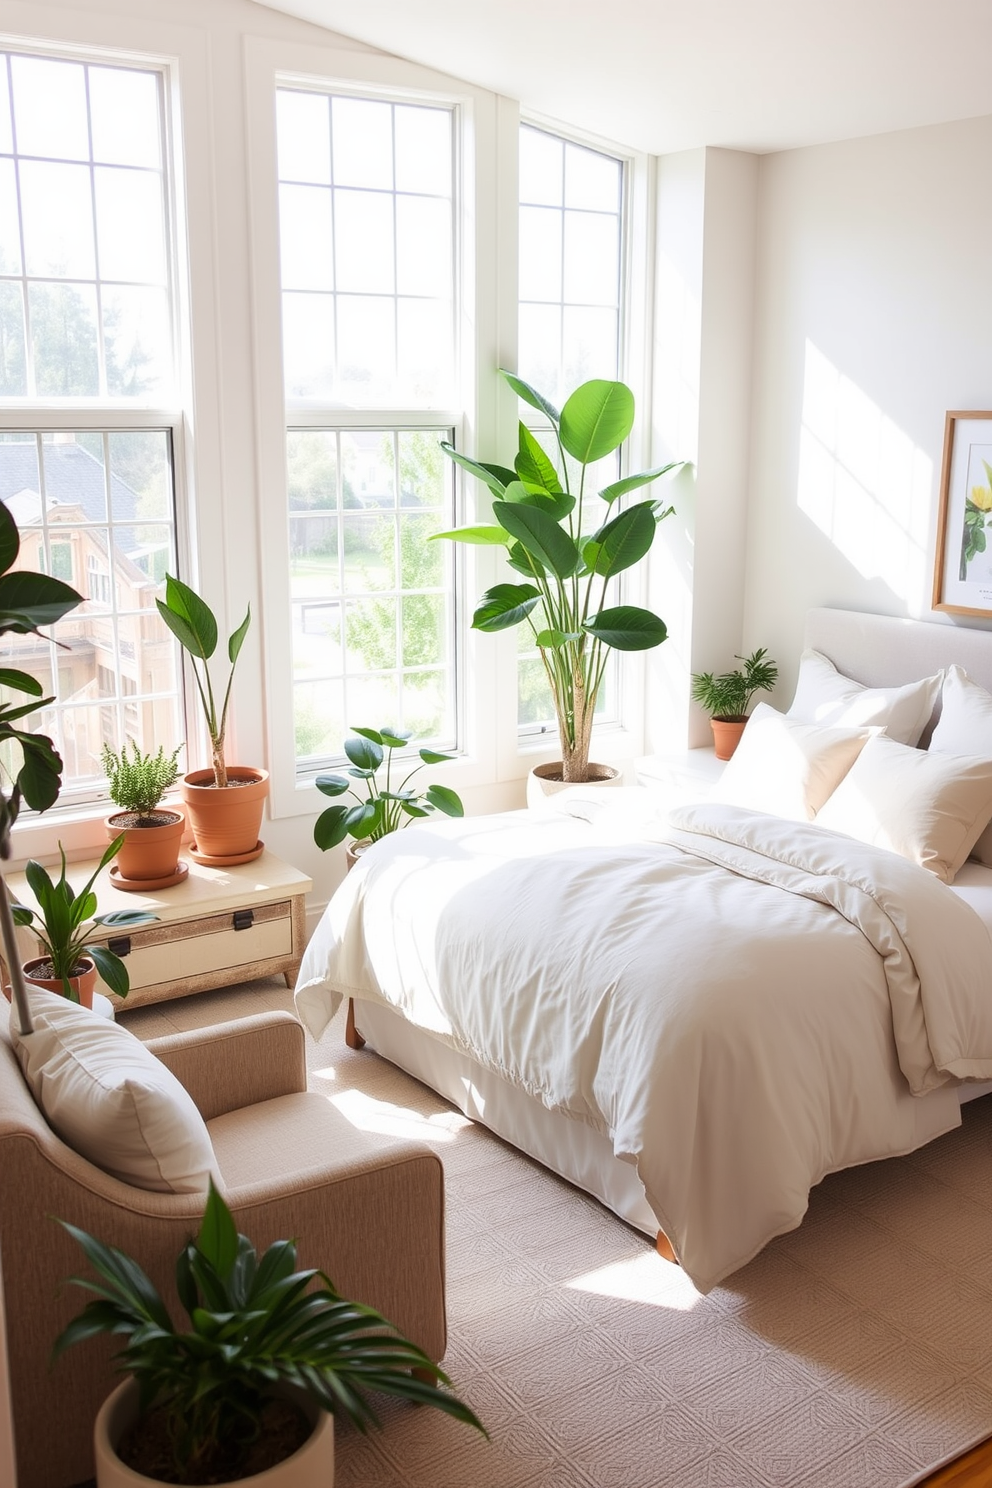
(88,385)
(367,215)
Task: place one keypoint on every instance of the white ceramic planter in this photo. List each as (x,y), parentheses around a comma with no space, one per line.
(311,1467)
(541,785)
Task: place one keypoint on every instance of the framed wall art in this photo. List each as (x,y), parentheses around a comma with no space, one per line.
(962,581)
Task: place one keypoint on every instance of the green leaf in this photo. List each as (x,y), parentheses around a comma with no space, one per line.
(627,628)
(363,820)
(445,800)
(111,968)
(40,774)
(331,785)
(493,476)
(596,420)
(330,828)
(519,558)
(634,482)
(393,738)
(10,540)
(557,506)
(531,396)
(217,1241)
(365,753)
(28,600)
(189,618)
(20,681)
(533,465)
(368,733)
(237,640)
(504,605)
(480,534)
(433,757)
(553,640)
(540,534)
(622,542)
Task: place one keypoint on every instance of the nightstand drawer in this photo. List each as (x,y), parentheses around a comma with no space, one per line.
(189,948)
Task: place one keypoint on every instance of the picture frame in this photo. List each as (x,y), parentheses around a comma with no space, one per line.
(962,580)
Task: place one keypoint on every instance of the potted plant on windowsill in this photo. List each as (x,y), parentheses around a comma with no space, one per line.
(542,513)
(385,807)
(65,922)
(225,803)
(262,1342)
(728,697)
(149,854)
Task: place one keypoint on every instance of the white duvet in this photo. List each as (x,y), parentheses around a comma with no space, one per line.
(742,1004)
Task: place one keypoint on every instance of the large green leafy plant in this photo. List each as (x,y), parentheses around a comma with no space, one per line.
(385,807)
(194,626)
(253,1323)
(66,921)
(542,513)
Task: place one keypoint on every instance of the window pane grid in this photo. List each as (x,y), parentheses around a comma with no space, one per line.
(84,299)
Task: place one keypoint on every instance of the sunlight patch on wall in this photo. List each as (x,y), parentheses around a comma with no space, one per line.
(676,360)
(863,481)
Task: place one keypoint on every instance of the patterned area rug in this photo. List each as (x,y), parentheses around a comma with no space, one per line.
(854,1353)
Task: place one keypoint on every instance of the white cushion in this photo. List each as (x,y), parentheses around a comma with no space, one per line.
(965,727)
(787,768)
(110,1099)
(825,696)
(927,807)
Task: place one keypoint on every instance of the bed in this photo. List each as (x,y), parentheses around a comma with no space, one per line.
(695,1015)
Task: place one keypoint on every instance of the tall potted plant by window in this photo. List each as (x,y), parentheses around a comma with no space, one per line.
(542,513)
(225,802)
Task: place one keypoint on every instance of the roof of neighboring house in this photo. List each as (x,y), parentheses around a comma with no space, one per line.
(73,477)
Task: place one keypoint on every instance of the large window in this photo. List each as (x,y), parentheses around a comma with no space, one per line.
(86,368)
(367,271)
(570,302)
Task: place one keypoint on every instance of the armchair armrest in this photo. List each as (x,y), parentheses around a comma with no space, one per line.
(230,1065)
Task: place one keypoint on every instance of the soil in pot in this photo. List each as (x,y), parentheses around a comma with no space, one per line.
(546,780)
(146,1448)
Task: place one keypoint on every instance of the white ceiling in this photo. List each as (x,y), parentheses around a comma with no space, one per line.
(664,75)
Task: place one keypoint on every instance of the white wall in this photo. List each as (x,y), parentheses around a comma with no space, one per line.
(873,318)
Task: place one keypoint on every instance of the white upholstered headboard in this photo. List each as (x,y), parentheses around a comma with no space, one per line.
(880,650)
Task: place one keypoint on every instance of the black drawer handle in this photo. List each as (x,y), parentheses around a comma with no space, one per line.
(120,945)
(244,919)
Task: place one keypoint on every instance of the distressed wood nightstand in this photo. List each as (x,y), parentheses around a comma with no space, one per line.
(221,925)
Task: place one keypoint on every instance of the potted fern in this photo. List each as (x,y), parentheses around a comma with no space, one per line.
(149,854)
(249,1390)
(727,697)
(225,802)
(542,515)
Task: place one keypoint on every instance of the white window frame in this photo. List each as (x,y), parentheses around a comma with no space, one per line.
(179,53)
(333,69)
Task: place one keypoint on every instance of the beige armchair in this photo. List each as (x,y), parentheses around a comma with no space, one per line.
(368,1210)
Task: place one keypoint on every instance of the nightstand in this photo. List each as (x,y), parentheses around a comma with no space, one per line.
(682,777)
(220,925)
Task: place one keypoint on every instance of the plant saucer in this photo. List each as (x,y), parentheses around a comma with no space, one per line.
(140,885)
(225,861)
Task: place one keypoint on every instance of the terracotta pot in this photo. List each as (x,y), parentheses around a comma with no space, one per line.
(226,822)
(83,985)
(545,780)
(312,1466)
(148,852)
(727,735)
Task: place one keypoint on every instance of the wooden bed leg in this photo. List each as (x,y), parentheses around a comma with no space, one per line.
(352,1037)
(664,1247)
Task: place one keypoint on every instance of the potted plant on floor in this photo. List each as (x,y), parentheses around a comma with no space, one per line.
(253,1385)
(384,807)
(65,922)
(727,698)
(149,854)
(225,803)
(542,513)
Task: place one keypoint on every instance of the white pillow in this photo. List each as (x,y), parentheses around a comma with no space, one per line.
(927,807)
(787,768)
(110,1099)
(825,696)
(965,727)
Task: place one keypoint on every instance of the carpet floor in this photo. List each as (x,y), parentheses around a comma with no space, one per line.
(855,1352)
